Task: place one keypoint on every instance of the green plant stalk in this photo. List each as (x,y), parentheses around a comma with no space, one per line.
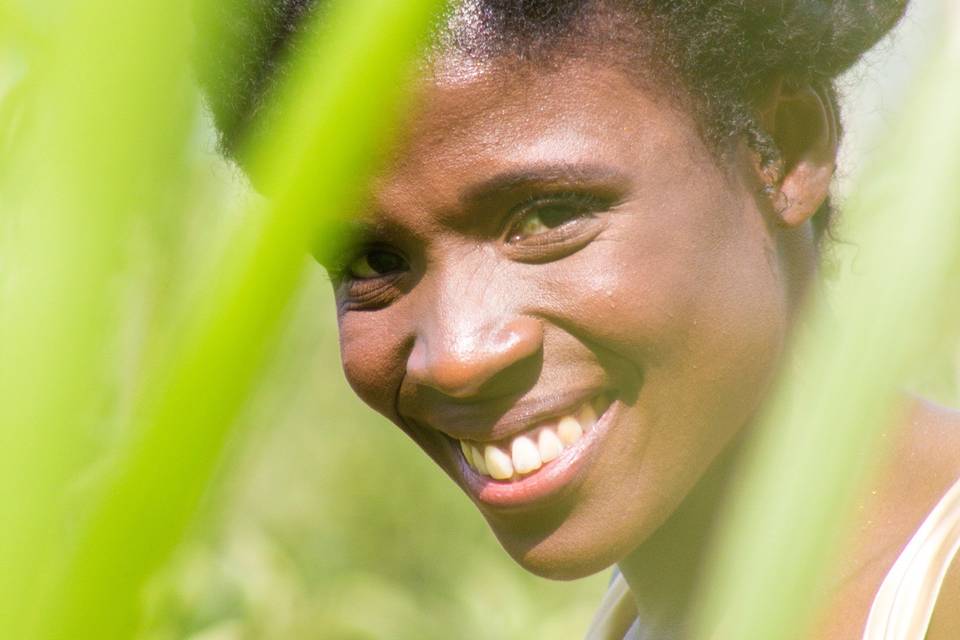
(336,113)
(81,168)
(824,431)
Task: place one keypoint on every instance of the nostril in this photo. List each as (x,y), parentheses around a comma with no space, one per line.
(461,364)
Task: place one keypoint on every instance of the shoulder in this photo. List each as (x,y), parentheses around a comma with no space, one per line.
(921,466)
(937,431)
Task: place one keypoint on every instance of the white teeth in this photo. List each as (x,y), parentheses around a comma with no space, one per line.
(467,454)
(529,452)
(498,463)
(587,417)
(526,457)
(569,430)
(549,445)
(599,405)
(479,463)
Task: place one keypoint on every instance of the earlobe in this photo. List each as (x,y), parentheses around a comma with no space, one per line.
(804,127)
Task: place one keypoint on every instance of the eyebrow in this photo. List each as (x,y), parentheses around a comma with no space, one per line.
(546,174)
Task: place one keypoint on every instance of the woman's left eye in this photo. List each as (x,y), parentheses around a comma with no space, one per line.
(542,217)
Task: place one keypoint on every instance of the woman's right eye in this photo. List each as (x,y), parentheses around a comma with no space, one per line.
(371,280)
(376,263)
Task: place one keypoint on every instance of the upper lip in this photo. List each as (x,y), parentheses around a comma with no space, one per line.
(492,422)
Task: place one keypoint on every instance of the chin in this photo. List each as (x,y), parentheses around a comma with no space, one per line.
(561,570)
(562,557)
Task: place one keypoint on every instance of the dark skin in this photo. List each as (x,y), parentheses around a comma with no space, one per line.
(541,238)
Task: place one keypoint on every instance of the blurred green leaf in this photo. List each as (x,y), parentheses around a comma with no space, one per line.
(822,433)
(113,113)
(95,134)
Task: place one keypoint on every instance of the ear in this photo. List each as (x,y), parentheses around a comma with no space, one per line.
(802,122)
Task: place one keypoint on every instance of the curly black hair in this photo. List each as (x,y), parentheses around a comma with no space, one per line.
(725,53)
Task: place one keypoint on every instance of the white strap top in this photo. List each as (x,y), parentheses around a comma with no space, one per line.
(905,601)
(901,610)
(617,613)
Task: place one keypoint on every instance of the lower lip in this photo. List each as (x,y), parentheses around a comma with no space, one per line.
(551,480)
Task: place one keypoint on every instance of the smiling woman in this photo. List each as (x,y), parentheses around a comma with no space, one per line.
(496,335)
(574,279)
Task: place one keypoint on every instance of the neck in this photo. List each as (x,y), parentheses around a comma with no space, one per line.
(665,571)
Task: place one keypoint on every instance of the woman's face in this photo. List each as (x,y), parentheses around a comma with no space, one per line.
(549,244)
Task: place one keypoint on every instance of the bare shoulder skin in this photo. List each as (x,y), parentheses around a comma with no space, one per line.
(923,464)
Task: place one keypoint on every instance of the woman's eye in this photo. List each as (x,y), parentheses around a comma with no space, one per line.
(375,263)
(542,218)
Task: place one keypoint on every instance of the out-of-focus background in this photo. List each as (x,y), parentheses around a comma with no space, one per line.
(872,94)
(327,523)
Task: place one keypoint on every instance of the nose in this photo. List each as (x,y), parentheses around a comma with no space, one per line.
(461,354)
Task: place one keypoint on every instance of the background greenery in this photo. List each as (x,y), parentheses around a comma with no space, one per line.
(321,521)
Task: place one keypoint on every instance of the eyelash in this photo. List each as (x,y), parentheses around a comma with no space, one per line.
(582,205)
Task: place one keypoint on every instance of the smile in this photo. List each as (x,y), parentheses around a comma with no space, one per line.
(527,452)
(546,460)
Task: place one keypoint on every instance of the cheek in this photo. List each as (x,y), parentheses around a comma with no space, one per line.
(712,311)
(373,353)
(700,284)
(703,312)
(699,309)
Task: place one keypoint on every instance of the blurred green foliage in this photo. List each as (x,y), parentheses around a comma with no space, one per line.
(891,308)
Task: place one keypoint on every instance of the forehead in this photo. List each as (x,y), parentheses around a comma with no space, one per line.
(477,123)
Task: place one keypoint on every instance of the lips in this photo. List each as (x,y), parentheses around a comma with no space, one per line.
(537,462)
(527,451)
